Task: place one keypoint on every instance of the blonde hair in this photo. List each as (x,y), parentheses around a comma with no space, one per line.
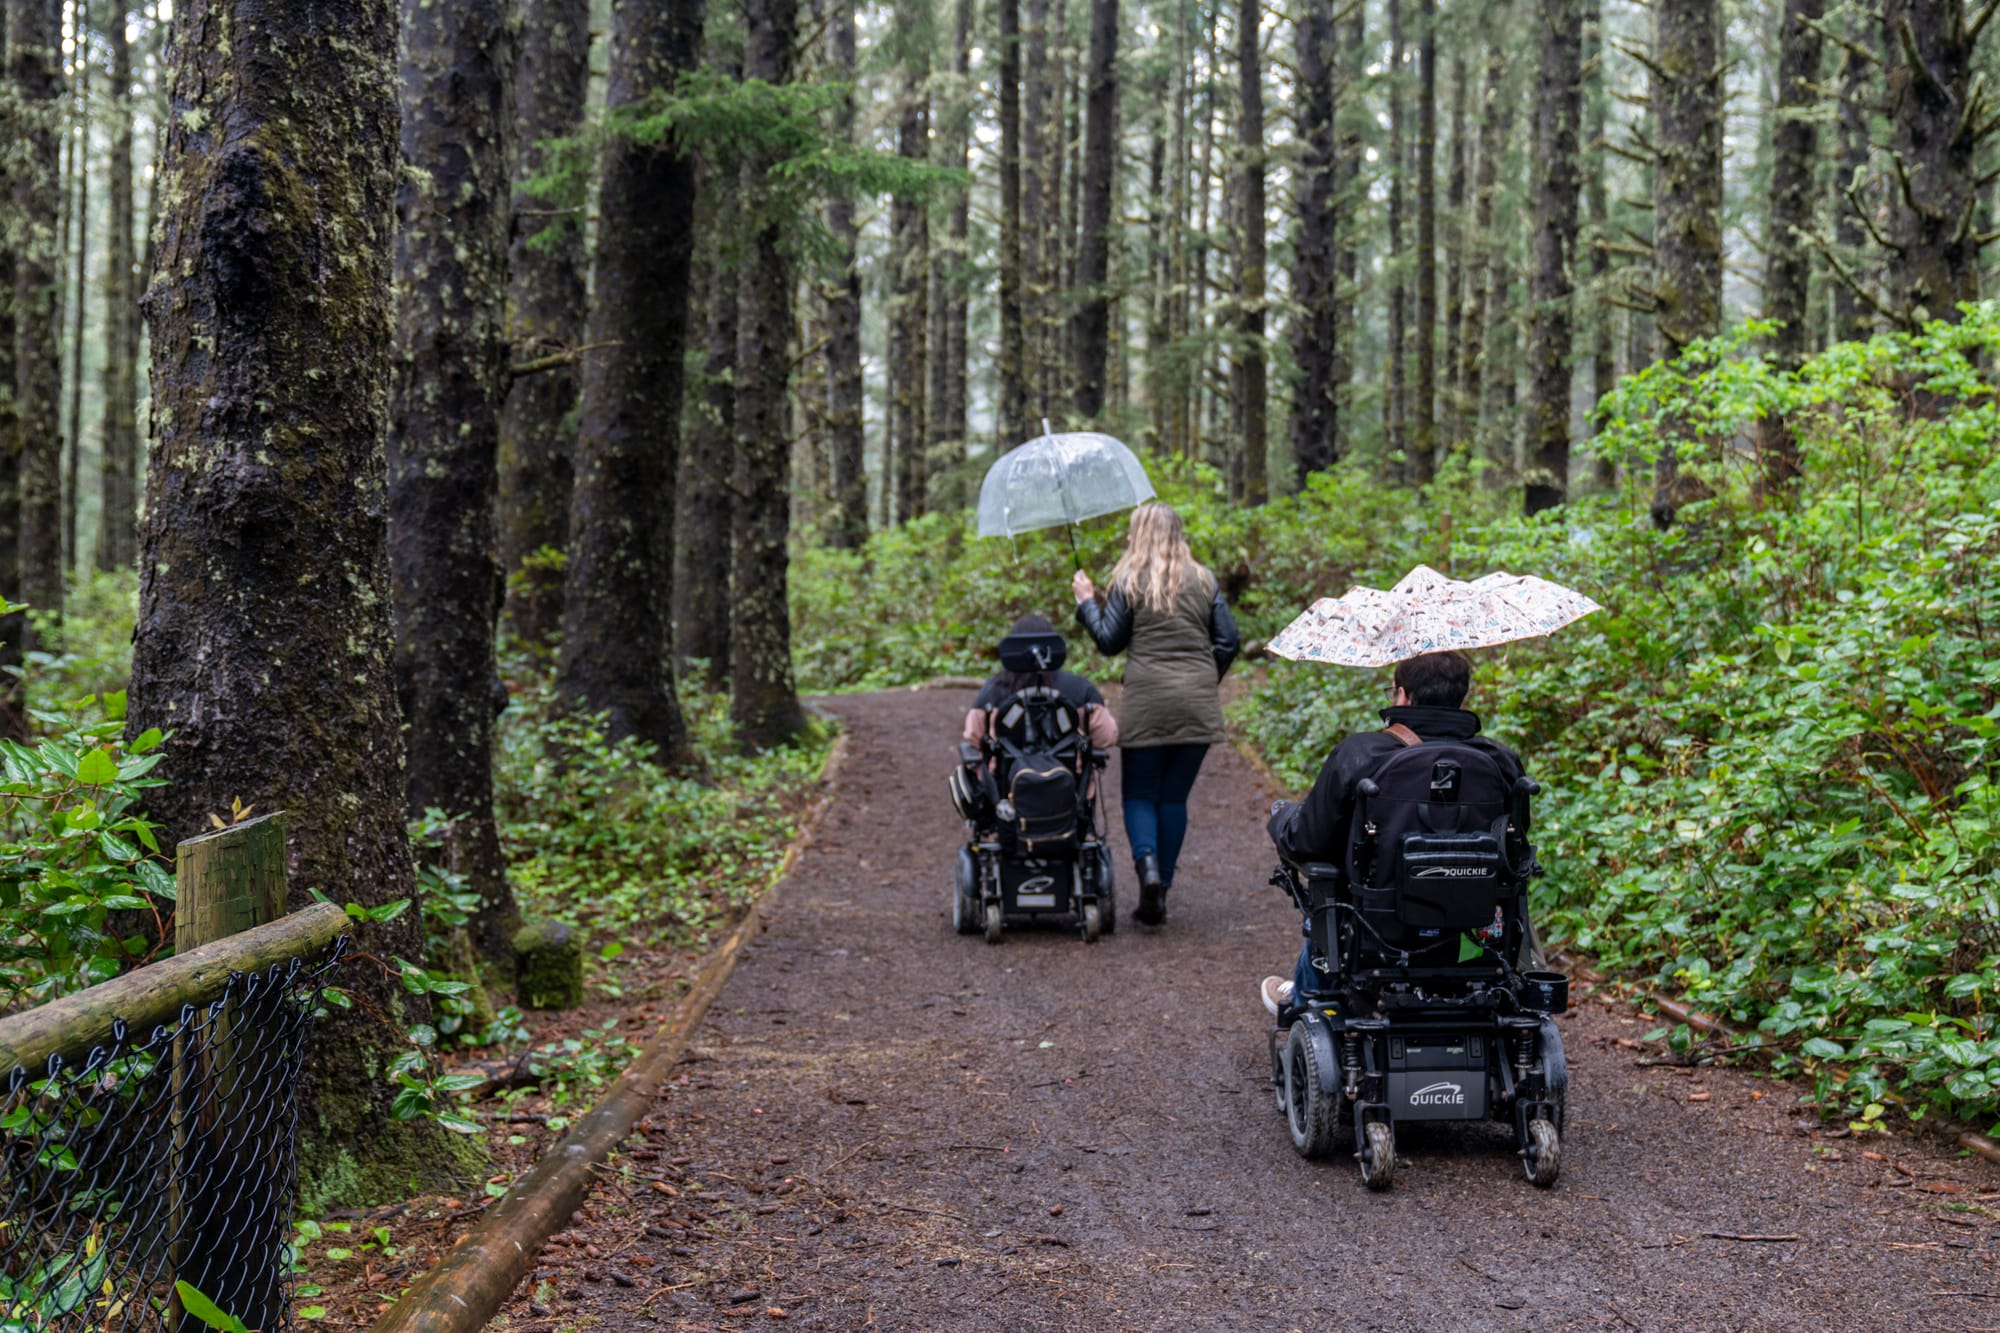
(1157,559)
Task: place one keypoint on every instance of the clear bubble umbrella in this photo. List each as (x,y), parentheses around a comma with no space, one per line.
(1428,613)
(1059,480)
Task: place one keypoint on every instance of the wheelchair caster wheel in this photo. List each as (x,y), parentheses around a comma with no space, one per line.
(1093,923)
(1378,1155)
(1542,1157)
(994,923)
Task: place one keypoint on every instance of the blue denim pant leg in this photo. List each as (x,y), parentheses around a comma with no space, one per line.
(1156,781)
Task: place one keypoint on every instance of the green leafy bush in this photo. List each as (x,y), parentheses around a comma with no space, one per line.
(596,831)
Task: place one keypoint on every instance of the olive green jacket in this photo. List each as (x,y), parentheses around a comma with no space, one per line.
(1173,662)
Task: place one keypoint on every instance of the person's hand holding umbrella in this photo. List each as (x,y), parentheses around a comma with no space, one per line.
(1080,584)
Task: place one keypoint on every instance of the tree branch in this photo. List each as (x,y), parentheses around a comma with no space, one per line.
(1867,222)
(1979,22)
(1849,281)
(1841,39)
(1639,54)
(555,360)
(1906,37)
(1643,159)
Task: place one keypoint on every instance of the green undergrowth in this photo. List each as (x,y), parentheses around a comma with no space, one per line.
(1769,763)
(597,833)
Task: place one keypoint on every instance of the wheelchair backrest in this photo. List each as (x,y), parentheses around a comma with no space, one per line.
(1042,746)
(1038,721)
(1438,833)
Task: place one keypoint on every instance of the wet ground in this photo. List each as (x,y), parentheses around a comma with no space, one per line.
(886,1125)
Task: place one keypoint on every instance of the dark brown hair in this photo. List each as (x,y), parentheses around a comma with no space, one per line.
(1439,680)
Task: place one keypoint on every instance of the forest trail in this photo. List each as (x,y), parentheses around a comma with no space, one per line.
(885,1125)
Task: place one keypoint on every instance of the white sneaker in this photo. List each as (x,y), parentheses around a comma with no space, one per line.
(1275,992)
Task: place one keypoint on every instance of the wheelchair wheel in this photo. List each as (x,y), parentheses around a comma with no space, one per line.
(965,894)
(1541,1158)
(1378,1154)
(1093,923)
(994,923)
(1311,1097)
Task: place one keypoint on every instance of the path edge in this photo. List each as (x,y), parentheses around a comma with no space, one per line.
(463,1290)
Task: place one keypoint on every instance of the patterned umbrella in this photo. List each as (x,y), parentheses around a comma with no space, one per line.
(1428,613)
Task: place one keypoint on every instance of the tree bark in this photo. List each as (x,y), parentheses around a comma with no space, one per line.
(118,468)
(1091,330)
(1013,415)
(764,703)
(1787,250)
(545,312)
(1316,330)
(1935,115)
(457,78)
(909,258)
(707,501)
(955,407)
(1036,155)
(1423,423)
(1249,482)
(1454,280)
(1853,318)
(1496,132)
(843,317)
(1687,197)
(34,67)
(1394,400)
(1603,363)
(13,628)
(263,644)
(1558,105)
(1353,124)
(73,437)
(617,590)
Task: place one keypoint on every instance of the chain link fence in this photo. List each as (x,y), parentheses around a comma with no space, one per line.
(161,1156)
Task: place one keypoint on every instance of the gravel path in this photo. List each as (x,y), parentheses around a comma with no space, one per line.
(884,1125)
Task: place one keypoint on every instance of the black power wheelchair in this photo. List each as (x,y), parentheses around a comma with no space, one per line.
(1423,1005)
(1034,849)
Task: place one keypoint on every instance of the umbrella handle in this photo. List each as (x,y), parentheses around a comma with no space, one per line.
(1069,530)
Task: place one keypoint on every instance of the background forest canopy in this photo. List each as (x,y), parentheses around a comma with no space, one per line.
(672,339)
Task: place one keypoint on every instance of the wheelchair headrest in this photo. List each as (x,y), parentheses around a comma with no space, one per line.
(1033,652)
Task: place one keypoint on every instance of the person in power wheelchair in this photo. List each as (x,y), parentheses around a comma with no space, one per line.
(1034,743)
(1415,996)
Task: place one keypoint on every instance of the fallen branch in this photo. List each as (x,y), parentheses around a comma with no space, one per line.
(1735,1235)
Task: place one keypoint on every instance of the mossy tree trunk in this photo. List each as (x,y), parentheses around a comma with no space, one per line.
(617,590)
(263,645)
(909,263)
(842,316)
(1558,177)
(457,80)
(1013,415)
(1937,115)
(118,470)
(13,715)
(1248,482)
(1687,197)
(1091,327)
(78,206)
(764,703)
(1423,401)
(1787,237)
(34,70)
(950,408)
(1496,132)
(1038,158)
(1394,261)
(1353,125)
(1853,316)
(545,312)
(1316,329)
(1597,200)
(707,503)
(1446,426)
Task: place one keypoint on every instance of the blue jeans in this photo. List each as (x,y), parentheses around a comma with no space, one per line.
(1157,780)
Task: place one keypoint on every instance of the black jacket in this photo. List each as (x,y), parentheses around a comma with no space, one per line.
(1110,627)
(1316,829)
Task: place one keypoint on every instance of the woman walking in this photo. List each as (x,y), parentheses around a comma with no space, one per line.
(1166,612)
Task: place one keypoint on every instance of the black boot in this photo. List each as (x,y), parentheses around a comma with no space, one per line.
(1152,908)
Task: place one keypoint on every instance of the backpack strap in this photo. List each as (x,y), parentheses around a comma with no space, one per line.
(1403,734)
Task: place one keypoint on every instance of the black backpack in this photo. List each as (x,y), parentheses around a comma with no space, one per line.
(1435,845)
(1040,738)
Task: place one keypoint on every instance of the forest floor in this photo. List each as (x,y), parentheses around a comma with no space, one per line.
(884,1125)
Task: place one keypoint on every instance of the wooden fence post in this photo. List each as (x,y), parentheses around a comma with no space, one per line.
(228,1208)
